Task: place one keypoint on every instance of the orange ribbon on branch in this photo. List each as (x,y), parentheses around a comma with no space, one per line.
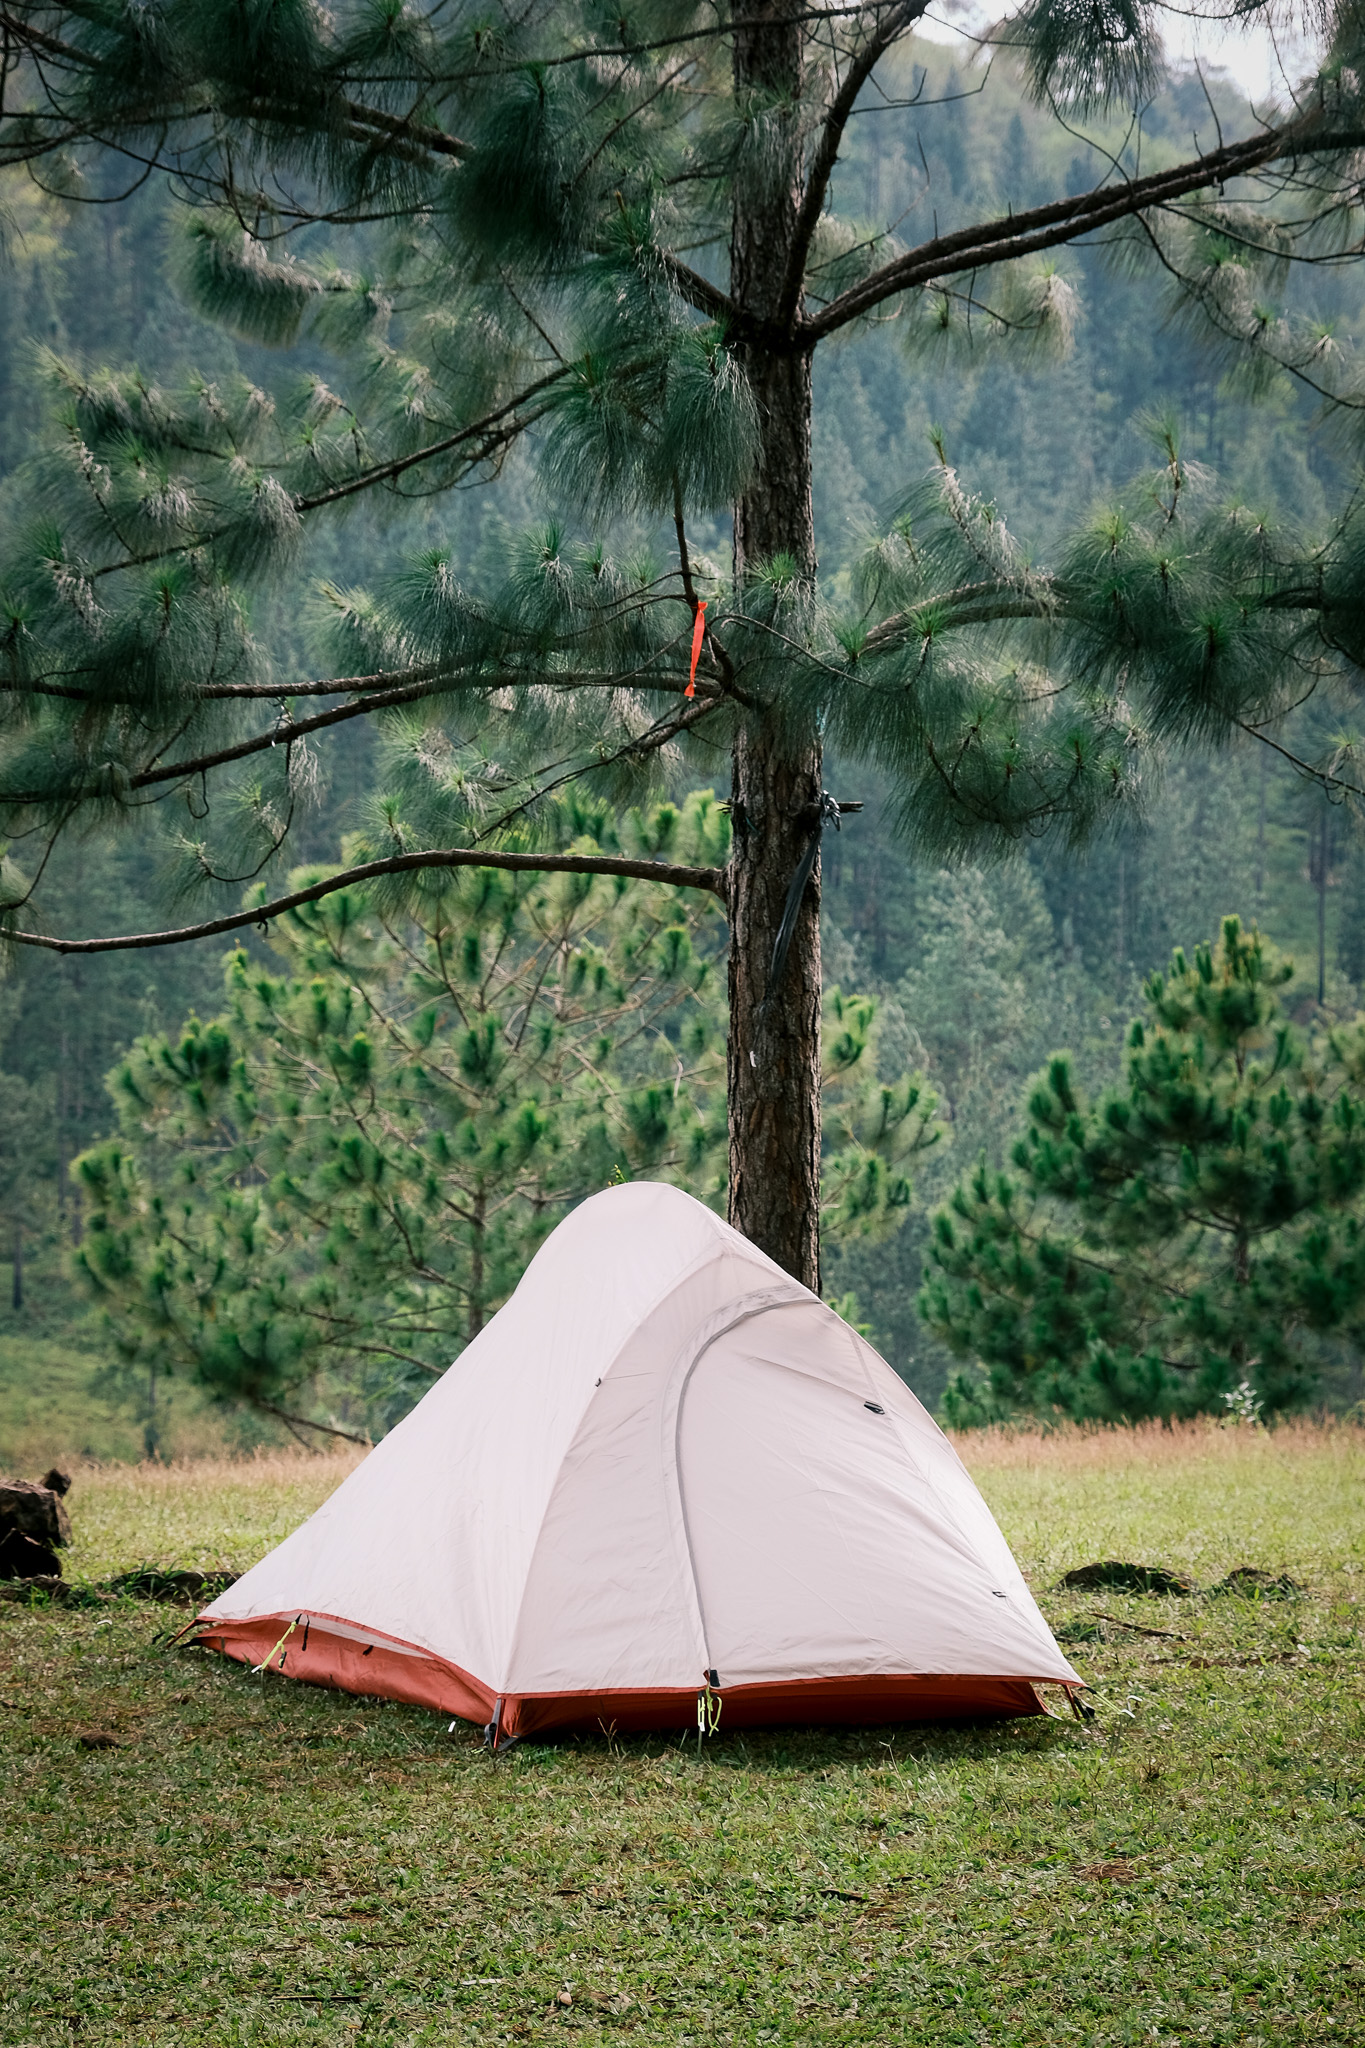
(698,635)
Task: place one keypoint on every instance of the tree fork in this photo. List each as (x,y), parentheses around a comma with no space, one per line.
(774,1040)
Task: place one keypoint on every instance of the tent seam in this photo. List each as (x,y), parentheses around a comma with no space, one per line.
(745,1316)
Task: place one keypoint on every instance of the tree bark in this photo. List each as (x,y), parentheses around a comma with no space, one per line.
(774,1045)
(474,1316)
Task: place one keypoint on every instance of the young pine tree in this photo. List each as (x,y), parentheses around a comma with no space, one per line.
(315,1199)
(1195,1231)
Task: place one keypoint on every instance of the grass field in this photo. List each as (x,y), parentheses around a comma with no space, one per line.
(54,1406)
(257,1862)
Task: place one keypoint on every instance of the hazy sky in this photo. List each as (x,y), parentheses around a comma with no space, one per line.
(1255,58)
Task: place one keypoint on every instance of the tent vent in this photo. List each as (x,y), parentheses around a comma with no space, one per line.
(875,1406)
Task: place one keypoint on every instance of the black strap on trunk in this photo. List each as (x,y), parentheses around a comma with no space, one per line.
(826,812)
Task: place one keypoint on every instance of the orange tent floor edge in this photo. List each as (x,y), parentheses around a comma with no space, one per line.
(807,1702)
(318,1657)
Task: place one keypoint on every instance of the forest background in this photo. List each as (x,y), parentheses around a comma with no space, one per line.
(979,974)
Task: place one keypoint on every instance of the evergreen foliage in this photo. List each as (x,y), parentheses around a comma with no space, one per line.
(505,230)
(1163,1244)
(319,1196)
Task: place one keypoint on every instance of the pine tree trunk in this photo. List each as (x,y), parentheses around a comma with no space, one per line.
(1324,858)
(774,1048)
(478,1229)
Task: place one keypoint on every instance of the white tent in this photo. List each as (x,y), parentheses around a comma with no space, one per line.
(664,1464)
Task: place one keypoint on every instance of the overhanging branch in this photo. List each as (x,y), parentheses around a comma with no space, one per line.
(1065,220)
(670,873)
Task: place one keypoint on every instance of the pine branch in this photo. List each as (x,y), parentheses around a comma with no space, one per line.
(491,426)
(289,729)
(278,693)
(497,428)
(281,734)
(34,38)
(1065,220)
(1324,778)
(676,877)
(433,139)
(701,294)
(826,157)
(294,1423)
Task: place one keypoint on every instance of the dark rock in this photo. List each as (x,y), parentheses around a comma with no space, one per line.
(1115,1577)
(22,1558)
(98,1738)
(186,1588)
(1252,1584)
(56,1481)
(35,1511)
(24,1589)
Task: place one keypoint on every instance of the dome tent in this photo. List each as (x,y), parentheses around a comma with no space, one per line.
(664,1463)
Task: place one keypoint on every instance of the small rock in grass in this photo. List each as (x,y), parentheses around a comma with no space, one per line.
(184,1588)
(1117,1577)
(1252,1584)
(98,1738)
(1119,1871)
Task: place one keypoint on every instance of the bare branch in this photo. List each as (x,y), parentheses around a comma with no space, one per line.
(711,879)
(294,1423)
(826,157)
(1064,220)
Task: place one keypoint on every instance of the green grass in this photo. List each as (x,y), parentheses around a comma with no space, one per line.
(50,1410)
(258,1862)
(57,1400)
(55,1408)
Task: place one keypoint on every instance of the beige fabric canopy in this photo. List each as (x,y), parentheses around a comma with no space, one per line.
(664,1465)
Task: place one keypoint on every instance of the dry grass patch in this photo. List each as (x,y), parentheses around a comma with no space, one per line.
(1198,1498)
(204,1514)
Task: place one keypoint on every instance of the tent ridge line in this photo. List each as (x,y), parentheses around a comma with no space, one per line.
(761,1302)
(505,1684)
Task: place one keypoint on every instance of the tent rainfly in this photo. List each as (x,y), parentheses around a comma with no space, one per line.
(664,1466)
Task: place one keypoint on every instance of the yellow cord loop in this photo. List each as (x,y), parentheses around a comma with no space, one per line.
(269,1660)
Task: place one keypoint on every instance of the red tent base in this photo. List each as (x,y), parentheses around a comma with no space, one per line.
(793,1703)
(307,1648)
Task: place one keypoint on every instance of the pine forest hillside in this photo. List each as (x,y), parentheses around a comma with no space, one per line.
(980,973)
